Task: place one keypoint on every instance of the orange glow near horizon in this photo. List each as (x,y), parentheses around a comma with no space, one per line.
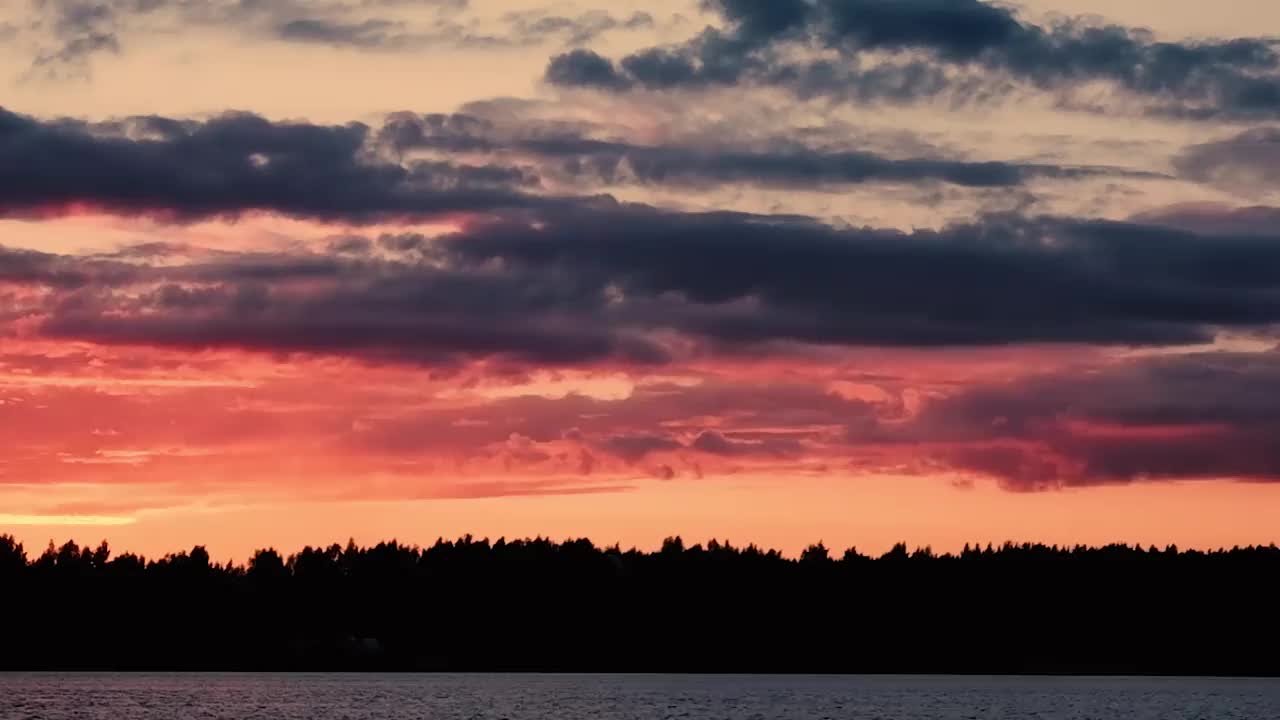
(160,450)
(870,513)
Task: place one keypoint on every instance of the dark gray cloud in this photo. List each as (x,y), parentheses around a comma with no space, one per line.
(521,29)
(636,447)
(988,44)
(1215,219)
(635,284)
(420,319)
(586,68)
(535,26)
(72,32)
(31,267)
(230,165)
(1206,415)
(787,164)
(517,29)
(746,444)
(72,56)
(180,170)
(365,34)
(742,279)
(1247,163)
(347,303)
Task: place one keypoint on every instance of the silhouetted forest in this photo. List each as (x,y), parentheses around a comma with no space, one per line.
(540,605)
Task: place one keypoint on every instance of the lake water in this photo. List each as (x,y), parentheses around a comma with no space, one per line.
(621,697)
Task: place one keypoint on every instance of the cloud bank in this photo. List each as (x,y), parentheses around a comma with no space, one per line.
(870,50)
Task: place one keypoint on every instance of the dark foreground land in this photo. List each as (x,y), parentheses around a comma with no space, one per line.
(539,605)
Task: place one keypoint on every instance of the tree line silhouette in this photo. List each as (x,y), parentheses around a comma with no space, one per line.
(540,605)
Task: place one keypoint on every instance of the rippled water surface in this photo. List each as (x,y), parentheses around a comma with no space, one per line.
(646,697)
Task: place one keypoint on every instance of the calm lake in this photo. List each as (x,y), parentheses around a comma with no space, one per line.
(642,697)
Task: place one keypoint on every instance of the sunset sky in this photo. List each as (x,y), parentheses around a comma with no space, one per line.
(284,272)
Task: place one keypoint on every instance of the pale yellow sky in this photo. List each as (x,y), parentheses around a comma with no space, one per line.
(204,70)
(1175,18)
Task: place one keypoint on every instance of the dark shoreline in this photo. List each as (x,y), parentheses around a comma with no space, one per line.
(544,607)
(357,673)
